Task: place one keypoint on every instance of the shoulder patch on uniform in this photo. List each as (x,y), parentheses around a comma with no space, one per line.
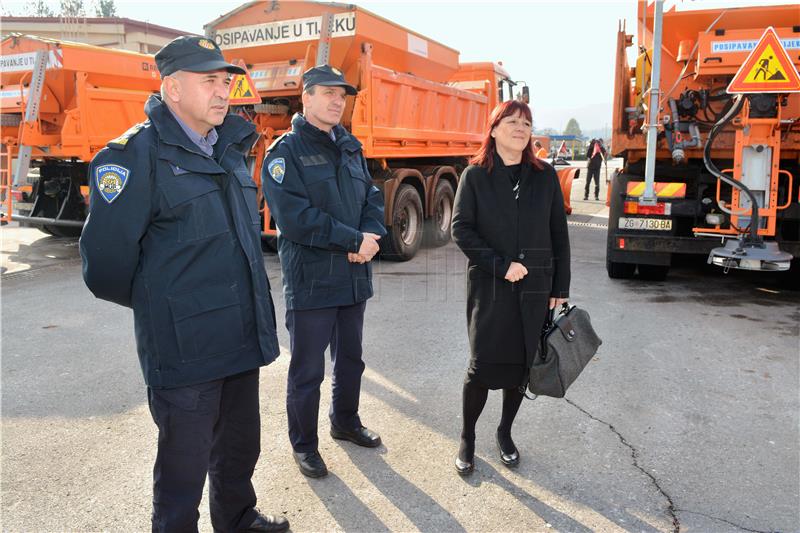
(277,169)
(120,142)
(110,179)
(276,142)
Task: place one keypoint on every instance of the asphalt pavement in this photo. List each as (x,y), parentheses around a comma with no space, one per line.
(688,419)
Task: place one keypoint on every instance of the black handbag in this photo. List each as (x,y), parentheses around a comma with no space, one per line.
(567,344)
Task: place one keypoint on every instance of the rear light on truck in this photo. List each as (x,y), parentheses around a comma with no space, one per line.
(661,208)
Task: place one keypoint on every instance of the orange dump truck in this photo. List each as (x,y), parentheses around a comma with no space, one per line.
(419,113)
(717,150)
(61,103)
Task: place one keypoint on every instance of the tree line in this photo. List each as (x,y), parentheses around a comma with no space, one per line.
(67,8)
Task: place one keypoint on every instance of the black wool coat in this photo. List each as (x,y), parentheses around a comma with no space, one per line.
(493,229)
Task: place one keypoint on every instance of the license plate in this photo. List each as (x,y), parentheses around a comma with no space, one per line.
(649,224)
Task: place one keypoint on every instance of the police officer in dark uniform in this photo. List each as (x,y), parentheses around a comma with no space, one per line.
(174,234)
(329,218)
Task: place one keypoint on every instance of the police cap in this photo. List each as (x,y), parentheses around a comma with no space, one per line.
(328,76)
(194,54)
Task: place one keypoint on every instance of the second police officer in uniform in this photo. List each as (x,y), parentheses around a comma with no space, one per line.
(174,233)
(329,218)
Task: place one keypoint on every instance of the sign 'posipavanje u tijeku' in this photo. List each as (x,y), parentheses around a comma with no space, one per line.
(285,31)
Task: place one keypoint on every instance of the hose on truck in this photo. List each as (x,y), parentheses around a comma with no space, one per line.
(734,110)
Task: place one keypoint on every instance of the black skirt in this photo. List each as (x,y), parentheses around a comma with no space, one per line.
(495,376)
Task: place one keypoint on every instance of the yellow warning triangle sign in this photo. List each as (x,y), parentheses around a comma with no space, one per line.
(768,69)
(243,90)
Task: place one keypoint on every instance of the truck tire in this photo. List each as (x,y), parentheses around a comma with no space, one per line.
(653,272)
(62,231)
(437,228)
(790,280)
(405,231)
(620,270)
(269,243)
(616,270)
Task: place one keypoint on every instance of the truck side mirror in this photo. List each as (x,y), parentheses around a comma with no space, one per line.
(526,94)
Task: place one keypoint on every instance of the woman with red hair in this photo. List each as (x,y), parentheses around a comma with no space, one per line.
(509,221)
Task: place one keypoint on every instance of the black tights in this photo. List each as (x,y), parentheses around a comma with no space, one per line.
(474,398)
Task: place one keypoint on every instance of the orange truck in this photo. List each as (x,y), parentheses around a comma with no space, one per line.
(61,103)
(721,137)
(419,113)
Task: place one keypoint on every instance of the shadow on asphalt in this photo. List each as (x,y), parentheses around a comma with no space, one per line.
(350,513)
(422,510)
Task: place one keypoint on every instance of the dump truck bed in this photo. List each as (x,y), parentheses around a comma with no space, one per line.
(412,100)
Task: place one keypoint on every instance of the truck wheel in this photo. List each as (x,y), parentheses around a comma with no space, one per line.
(620,270)
(790,280)
(437,230)
(405,231)
(62,231)
(653,272)
(269,243)
(616,270)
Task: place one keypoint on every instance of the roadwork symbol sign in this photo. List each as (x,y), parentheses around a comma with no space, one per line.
(768,69)
(243,89)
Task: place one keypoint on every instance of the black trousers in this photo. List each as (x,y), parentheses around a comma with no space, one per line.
(211,428)
(311,332)
(593,172)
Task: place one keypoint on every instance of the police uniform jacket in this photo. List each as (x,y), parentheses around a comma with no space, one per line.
(320,193)
(175,235)
(493,230)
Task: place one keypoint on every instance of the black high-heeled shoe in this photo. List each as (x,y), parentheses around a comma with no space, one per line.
(508,459)
(465,468)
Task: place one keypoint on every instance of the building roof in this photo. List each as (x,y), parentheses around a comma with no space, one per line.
(130,24)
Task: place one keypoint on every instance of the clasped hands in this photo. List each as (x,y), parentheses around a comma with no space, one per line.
(517,271)
(369,247)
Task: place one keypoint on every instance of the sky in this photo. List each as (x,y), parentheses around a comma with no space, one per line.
(564,50)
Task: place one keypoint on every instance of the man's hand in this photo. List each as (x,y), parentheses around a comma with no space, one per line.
(355,258)
(369,246)
(557,302)
(516,271)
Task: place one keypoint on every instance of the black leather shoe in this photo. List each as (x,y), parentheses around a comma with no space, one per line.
(508,459)
(361,436)
(311,464)
(464,468)
(268,522)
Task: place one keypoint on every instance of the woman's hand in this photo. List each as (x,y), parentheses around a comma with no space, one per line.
(516,271)
(557,302)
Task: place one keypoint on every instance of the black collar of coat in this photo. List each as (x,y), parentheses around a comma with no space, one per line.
(234,130)
(500,168)
(344,140)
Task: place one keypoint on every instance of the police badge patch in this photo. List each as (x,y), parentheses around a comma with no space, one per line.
(277,169)
(110,180)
